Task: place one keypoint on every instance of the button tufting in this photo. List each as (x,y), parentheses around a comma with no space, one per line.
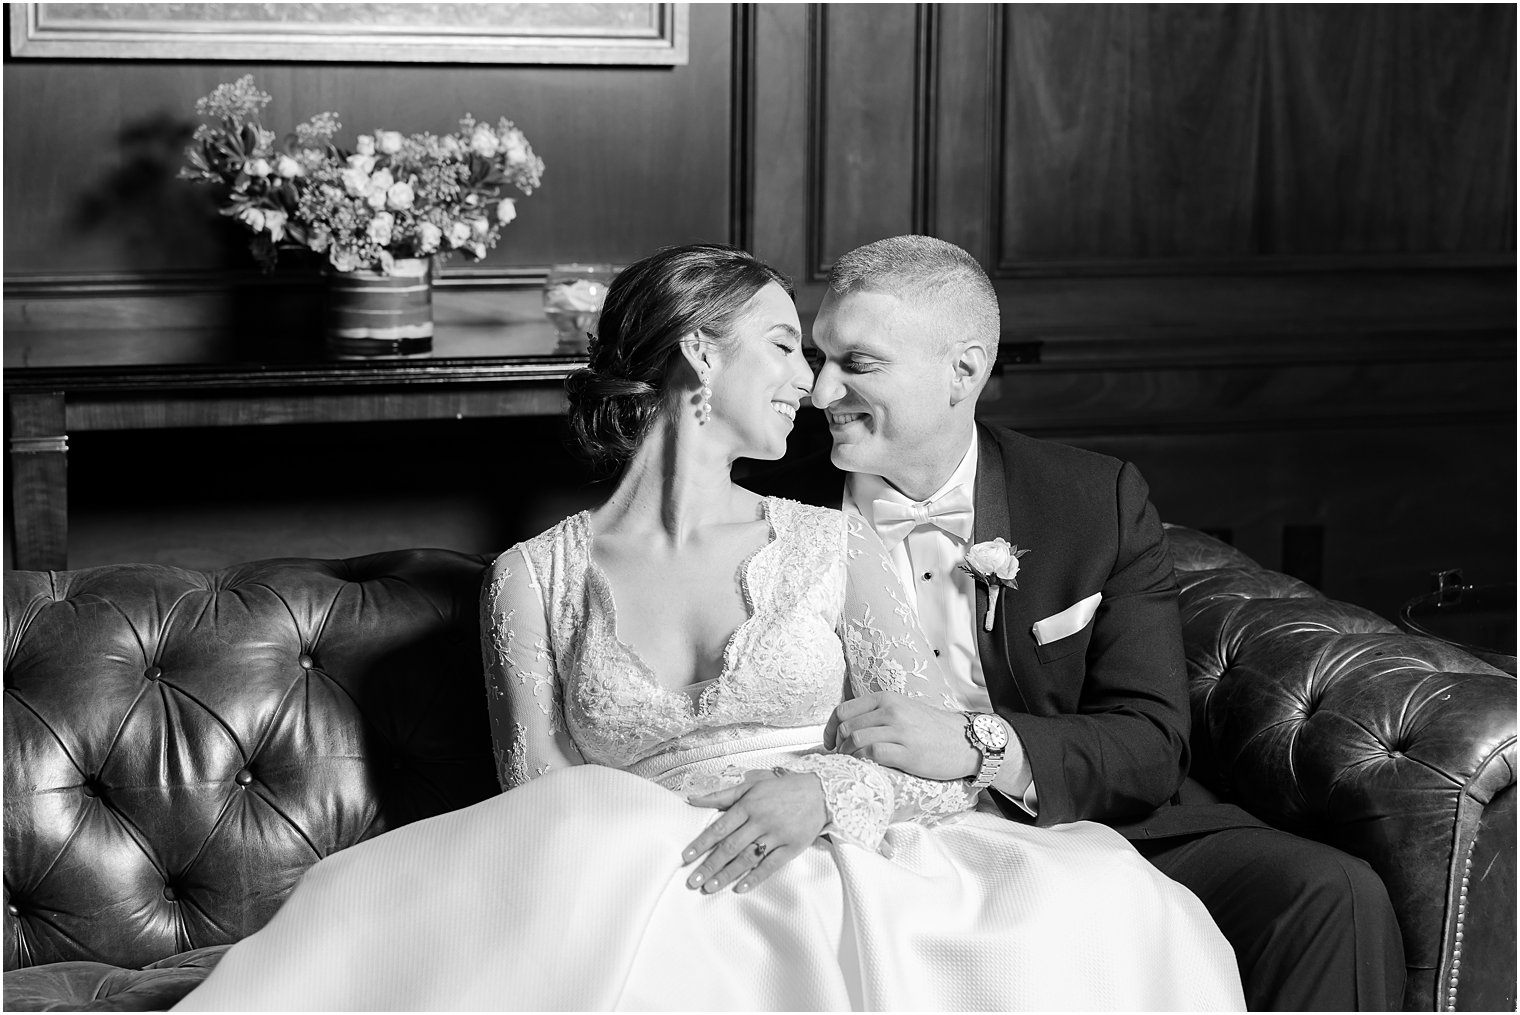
(244,777)
(305,661)
(153,672)
(169,893)
(13,909)
(89,788)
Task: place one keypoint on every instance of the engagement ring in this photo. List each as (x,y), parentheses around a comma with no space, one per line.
(758,850)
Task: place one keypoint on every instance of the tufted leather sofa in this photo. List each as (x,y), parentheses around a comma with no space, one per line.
(180,746)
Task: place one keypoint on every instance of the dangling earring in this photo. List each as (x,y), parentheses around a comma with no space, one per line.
(704,411)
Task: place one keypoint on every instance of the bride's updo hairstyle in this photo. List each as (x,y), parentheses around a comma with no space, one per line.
(650,307)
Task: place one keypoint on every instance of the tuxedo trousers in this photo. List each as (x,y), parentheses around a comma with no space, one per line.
(1312,926)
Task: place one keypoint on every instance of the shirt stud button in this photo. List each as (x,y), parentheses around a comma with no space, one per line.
(928,575)
(936,653)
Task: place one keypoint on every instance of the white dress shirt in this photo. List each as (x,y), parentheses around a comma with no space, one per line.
(928,562)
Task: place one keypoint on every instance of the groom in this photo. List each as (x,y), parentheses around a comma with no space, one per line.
(1080,683)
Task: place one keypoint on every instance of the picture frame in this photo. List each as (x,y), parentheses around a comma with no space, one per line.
(597,34)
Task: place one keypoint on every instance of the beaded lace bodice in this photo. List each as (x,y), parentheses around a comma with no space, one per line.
(826,617)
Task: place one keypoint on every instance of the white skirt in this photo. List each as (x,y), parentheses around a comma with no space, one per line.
(569,894)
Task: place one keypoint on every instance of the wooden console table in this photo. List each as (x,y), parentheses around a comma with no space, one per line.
(62,382)
(494,355)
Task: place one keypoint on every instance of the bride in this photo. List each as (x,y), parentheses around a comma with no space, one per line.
(674,835)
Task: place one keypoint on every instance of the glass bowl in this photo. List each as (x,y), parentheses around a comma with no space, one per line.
(573,295)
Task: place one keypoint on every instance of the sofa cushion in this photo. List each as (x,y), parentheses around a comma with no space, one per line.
(180,746)
(95,986)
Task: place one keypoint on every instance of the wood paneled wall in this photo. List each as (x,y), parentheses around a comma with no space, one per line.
(1064,142)
(1070,141)
(1151,133)
(1245,235)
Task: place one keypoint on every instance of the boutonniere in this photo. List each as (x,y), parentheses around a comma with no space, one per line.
(994,564)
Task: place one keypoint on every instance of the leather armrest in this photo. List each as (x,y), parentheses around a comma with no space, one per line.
(1323,718)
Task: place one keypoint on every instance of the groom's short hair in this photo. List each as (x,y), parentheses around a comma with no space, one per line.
(927,273)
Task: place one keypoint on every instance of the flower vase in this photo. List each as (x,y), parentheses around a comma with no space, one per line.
(371,314)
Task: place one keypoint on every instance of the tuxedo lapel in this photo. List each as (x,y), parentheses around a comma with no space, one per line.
(992,521)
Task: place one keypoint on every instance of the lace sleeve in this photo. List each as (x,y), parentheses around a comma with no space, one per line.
(884,650)
(523,694)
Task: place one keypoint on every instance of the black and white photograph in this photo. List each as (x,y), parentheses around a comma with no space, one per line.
(760,507)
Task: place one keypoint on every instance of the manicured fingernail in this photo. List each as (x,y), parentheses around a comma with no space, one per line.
(694,881)
(689,855)
(742,886)
(711,886)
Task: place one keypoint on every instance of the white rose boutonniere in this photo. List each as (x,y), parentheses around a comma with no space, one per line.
(994,564)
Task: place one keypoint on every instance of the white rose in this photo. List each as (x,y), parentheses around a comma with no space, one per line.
(288,167)
(274,221)
(516,148)
(483,141)
(428,238)
(380,227)
(382,180)
(480,226)
(364,163)
(257,167)
(507,210)
(400,196)
(390,141)
(252,217)
(375,197)
(343,259)
(356,182)
(450,144)
(995,559)
(366,145)
(459,234)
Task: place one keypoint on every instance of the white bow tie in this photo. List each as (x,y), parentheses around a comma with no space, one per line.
(894,517)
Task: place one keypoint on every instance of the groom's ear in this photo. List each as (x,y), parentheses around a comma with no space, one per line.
(971,367)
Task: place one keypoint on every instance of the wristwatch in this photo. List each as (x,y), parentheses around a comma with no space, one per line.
(988,735)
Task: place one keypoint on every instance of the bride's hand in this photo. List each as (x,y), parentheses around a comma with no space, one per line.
(781,812)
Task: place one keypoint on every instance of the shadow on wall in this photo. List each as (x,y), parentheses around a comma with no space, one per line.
(144,206)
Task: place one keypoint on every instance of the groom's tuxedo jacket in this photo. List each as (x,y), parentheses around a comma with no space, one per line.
(1102,712)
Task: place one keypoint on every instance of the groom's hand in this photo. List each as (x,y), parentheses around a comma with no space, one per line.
(903,733)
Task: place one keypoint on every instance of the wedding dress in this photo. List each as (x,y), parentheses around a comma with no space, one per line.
(567,892)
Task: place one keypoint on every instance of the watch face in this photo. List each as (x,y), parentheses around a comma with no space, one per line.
(990,732)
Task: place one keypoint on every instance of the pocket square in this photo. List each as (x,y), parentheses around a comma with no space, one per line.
(1068,622)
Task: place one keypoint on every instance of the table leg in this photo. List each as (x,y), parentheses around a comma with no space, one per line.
(39,451)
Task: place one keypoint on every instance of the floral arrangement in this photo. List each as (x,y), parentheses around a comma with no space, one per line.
(393,196)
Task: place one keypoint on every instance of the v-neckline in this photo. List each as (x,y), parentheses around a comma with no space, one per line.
(697,694)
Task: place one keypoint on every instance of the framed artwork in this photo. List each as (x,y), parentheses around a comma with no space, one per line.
(500,33)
